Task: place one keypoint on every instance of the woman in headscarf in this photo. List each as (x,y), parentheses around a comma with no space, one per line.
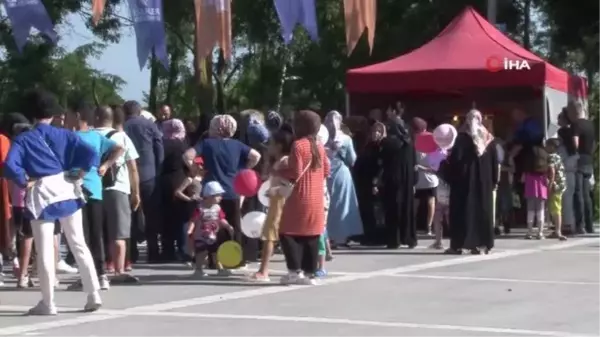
(303,216)
(472,173)
(224,157)
(364,171)
(394,185)
(172,175)
(274,121)
(343,219)
(254,133)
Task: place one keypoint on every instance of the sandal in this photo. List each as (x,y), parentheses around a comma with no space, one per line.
(258,277)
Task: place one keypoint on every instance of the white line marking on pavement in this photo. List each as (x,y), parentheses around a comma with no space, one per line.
(583,252)
(321,320)
(277,272)
(325,320)
(494,279)
(17,330)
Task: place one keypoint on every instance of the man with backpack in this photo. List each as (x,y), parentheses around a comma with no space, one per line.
(81,117)
(121,191)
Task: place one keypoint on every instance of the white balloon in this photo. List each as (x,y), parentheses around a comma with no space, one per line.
(323,135)
(262,193)
(252,224)
(444,136)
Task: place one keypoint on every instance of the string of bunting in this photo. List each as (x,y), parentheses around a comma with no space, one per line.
(213,23)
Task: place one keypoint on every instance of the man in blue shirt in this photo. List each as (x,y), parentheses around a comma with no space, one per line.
(80,117)
(39,158)
(149,145)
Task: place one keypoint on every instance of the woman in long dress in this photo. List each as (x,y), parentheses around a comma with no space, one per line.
(343,219)
(395,186)
(472,173)
(173,174)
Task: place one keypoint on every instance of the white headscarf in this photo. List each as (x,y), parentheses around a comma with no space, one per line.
(333,122)
(474,128)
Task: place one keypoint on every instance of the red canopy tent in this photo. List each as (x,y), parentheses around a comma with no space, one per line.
(457,59)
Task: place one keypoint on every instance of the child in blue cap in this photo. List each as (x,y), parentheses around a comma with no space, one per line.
(205,226)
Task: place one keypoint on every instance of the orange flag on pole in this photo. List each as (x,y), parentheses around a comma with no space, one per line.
(213,26)
(97,10)
(360,15)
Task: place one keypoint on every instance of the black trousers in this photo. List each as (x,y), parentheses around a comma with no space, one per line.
(151,197)
(93,230)
(301,252)
(584,207)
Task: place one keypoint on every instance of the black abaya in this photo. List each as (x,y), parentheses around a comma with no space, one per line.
(364,170)
(397,160)
(472,181)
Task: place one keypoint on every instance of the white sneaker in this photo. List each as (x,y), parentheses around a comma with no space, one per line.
(94,302)
(1,278)
(56,283)
(104,283)
(308,281)
(42,309)
(64,268)
(291,278)
(199,273)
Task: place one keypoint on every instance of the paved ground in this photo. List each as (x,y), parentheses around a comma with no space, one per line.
(539,288)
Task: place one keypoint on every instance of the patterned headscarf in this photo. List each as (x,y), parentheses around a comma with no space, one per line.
(474,128)
(223,126)
(274,120)
(333,122)
(173,129)
(378,131)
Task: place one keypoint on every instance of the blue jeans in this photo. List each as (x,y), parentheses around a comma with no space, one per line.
(584,207)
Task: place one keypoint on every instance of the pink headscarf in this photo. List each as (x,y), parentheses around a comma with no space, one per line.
(173,129)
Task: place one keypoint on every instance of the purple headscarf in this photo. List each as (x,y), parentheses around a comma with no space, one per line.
(173,129)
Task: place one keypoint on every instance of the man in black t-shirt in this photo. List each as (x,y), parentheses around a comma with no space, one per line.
(583,137)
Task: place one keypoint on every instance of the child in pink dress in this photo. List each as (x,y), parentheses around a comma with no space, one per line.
(536,189)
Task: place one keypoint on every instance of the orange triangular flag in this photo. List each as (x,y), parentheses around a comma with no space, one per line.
(213,26)
(360,15)
(97,10)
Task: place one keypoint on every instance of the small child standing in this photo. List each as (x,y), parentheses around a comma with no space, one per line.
(323,239)
(436,161)
(205,228)
(535,178)
(279,149)
(557,184)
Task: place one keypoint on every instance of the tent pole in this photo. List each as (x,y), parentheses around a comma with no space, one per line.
(545,110)
(492,9)
(347,104)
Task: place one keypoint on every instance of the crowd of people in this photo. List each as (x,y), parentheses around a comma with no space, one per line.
(108,178)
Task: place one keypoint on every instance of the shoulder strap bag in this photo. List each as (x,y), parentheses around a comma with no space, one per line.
(287,187)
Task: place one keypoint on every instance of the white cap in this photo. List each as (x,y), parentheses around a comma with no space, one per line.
(212,188)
